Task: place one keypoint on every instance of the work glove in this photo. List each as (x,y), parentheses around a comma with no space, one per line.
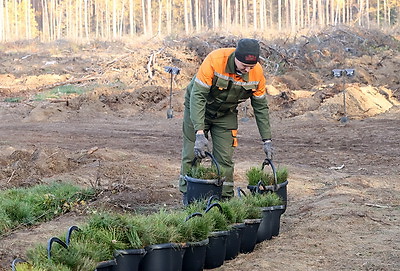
(267,146)
(200,146)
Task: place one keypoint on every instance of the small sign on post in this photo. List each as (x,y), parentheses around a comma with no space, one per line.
(344,73)
(173,71)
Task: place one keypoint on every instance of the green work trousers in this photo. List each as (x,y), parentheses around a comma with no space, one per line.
(223,136)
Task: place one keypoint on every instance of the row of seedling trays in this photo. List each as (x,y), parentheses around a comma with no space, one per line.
(202,235)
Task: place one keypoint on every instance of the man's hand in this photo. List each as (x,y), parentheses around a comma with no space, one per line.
(200,146)
(267,146)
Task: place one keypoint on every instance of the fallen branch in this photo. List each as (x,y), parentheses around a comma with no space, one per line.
(377,205)
(12,174)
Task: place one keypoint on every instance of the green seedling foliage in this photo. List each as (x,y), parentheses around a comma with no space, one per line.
(234,210)
(282,175)
(106,220)
(161,228)
(263,200)
(38,258)
(228,211)
(106,231)
(219,220)
(255,174)
(60,92)
(133,237)
(202,172)
(13,100)
(20,212)
(28,206)
(112,238)
(197,206)
(5,222)
(95,242)
(196,228)
(27,267)
(118,227)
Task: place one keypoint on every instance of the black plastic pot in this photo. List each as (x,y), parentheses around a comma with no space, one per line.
(216,249)
(163,257)
(279,188)
(198,189)
(110,265)
(195,255)
(233,241)
(249,237)
(264,231)
(129,259)
(276,218)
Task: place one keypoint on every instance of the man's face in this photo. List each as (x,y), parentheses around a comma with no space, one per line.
(243,68)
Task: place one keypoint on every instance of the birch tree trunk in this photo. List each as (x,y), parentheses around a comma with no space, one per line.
(197,16)
(255,18)
(149,18)
(280,15)
(367,9)
(2,21)
(320,13)
(144,18)
(169,19)
(216,14)
(28,33)
(121,26)
(45,31)
(301,13)
(132,26)
(292,6)
(185,14)
(16,24)
(314,13)
(86,15)
(262,15)
(236,16)
(159,31)
(245,13)
(378,13)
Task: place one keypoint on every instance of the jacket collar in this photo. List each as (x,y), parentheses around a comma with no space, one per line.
(230,67)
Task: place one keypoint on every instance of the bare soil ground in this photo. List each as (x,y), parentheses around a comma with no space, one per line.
(343,192)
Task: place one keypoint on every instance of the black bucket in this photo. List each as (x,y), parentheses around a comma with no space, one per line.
(233,241)
(199,189)
(163,257)
(249,237)
(129,259)
(276,218)
(110,265)
(279,188)
(195,256)
(216,249)
(264,231)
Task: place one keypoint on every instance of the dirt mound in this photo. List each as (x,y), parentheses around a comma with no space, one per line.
(361,102)
(26,167)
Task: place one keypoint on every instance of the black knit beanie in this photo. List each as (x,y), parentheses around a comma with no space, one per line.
(248,51)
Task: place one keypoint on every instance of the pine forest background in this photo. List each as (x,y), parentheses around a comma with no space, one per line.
(79,20)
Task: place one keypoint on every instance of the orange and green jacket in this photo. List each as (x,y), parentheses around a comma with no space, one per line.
(217,90)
